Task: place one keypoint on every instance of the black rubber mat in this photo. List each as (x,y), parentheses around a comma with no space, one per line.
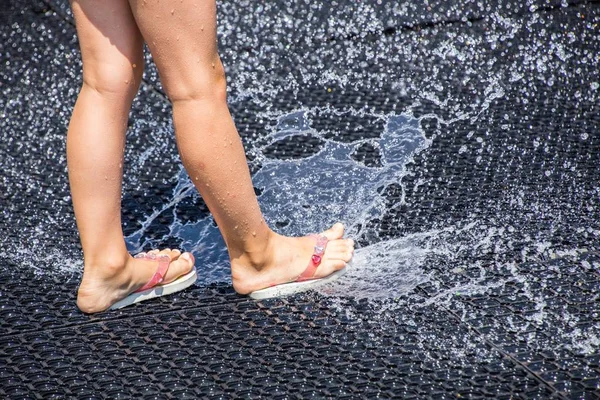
(505,195)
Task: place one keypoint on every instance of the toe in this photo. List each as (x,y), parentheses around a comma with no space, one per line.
(339,251)
(340,245)
(328,267)
(180,265)
(347,255)
(189,257)
(335,232)
(340,254)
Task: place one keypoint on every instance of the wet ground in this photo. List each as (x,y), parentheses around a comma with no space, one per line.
(460,143)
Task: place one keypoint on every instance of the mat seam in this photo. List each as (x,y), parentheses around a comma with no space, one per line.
(499,349)
(393,30)
(401,28)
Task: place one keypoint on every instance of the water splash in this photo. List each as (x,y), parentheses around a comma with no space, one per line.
(301,195)
(385,270)
(308,194)
(513,55)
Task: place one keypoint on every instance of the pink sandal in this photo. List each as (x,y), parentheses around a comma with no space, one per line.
(153,288)
(306,280)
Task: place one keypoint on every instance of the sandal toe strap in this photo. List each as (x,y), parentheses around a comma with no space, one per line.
(161,271)
(315,259)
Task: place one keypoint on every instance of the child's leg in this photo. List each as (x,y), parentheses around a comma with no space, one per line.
(182,38)
(111,48)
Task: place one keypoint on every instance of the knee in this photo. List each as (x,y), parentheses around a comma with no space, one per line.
(201,84)
(115,81)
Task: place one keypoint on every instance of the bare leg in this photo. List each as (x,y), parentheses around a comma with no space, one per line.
(111,48)
(182,38)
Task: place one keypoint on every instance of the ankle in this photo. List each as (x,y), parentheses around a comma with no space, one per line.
(110,263)
(251,260)
(255,253)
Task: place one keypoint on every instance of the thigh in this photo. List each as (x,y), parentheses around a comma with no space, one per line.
(182,37)
(111,44)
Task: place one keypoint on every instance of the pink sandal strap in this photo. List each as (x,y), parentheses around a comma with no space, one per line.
(315,260)
(161,271)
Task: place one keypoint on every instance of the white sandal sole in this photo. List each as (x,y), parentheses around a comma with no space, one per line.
(286,289)
(177,285)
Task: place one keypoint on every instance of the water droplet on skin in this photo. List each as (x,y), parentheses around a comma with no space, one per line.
(172,11)
(213,65)
(254,234)
(134,66)
(202,28)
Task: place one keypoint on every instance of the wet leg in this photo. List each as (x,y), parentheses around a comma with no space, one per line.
(111,48)
(182,38)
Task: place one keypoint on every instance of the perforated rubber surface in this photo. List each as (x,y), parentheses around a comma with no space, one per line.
(511,113)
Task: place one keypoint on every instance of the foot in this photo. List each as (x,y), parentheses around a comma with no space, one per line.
(286,258)
(105,283)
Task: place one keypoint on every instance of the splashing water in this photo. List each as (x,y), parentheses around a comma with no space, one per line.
(310,193)
(384,270)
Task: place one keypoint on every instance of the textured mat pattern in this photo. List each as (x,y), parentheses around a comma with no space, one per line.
(505,192)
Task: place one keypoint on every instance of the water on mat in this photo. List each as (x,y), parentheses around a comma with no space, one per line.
(466,249)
